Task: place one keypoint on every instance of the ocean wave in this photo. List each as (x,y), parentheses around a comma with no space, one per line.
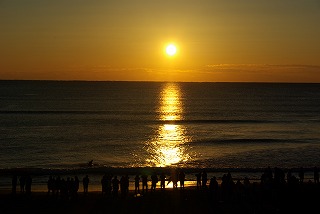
(132,170)
(76,112)
(248,141)
(237,121)
(123,112)
(145,120)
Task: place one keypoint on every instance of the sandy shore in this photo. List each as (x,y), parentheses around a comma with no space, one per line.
(302,198)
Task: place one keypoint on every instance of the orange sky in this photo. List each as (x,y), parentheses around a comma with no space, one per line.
(259,41)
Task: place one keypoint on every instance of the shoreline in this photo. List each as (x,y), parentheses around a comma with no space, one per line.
(271,191)
(40,177)
(134,170)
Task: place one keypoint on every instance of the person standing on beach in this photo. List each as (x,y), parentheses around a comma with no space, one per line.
(174,179)
(14,184)
(198,177)
(144,183)
(204,179)
(57,185)
(22,181)
(316,175)
(154,181)
(104,184)
(115,186)
(50,185)
(108,184)
(289,175)
(76,183)
(301,175)
(85,182)
(182,177)
(136,184)
(162,181)
(127,183)
(213,188)
(123,186)
(28,184)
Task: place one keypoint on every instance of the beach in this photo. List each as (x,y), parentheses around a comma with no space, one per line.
(302,198)
(275,192)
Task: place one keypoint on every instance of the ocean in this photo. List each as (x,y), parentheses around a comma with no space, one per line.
(58,126)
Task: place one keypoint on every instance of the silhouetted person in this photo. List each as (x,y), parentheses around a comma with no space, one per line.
(266,179)
(50,185)
(69,187)
(246,182)
(57,185)
(28,184)
(162,181)
(108,184)
(104,184)
(22,182)
(85,182)
(76,184)
(279,177)
(73,189)
(227,186)
(268,174)
(301,175)
(213,188)
(115,186)
(144,183)
(204,179)
(14,183)
(137,184)
(246,186)
(154,181)
(316,175)
(182,178)
(124,185)
(174,179)
(198,178)
(239,188)
(289,175)
(90,163)
(63,188)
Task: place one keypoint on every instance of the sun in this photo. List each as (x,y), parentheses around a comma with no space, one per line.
(171,50)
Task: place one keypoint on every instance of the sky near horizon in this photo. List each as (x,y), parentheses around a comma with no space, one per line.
(125,40)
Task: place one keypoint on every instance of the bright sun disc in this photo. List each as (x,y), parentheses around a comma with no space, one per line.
(171,50)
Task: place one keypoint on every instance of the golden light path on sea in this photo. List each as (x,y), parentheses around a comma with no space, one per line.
(167,148)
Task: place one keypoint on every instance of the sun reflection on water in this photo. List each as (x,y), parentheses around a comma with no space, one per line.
(168,145)
(170,104)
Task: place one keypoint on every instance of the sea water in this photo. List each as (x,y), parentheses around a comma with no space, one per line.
(242,127)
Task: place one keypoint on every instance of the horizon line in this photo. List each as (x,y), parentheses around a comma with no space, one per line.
(157,81)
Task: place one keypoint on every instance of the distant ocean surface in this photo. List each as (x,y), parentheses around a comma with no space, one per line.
(64,124)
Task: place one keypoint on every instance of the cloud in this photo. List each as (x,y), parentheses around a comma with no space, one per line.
(261,68)
(264,72)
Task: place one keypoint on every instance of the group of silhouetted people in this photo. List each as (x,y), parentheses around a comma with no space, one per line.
(65,188)
(273,191)
(56,186)
(25,182)
(274,184)
(270,180)
(202,179)
(111,185)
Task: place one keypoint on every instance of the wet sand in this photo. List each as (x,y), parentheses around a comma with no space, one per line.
(301,199)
